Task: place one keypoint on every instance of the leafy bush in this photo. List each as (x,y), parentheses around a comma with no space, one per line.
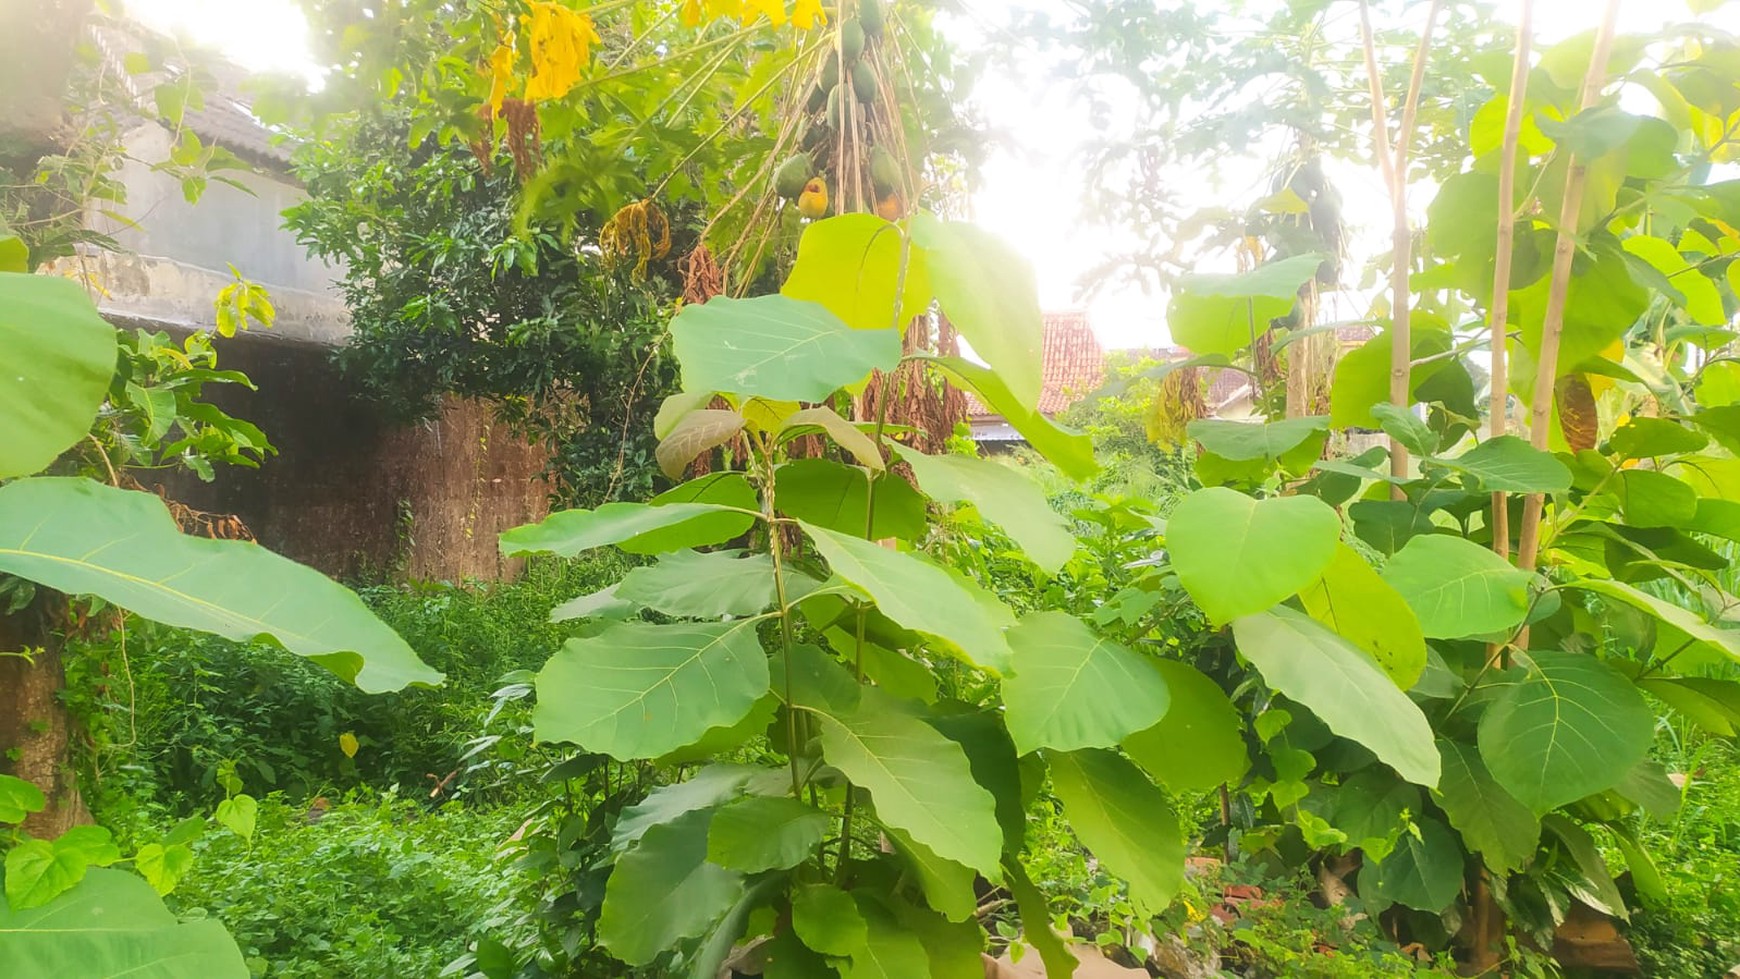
(375,886)
(166,707)
(1697,931)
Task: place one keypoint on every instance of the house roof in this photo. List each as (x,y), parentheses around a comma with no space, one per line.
(1072,364)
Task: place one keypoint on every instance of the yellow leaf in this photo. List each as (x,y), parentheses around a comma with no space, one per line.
(347,743)
(501,75)
(808,14)
(562,42)
(774,9)
(691,12)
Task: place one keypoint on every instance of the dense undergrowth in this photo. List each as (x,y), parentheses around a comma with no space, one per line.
(402,858)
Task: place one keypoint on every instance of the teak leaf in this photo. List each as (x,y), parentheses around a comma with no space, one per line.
(665,890)
(1236,555)
(776,347)
(1073,689)
(1458,588)
(1003,496)
(696,433)
(1200,743)
(1124,820)
(59,355)
(113,924)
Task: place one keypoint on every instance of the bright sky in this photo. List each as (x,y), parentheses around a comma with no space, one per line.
(1032,188)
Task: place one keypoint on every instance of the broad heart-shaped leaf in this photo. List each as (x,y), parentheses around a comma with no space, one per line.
(1458,588)
(851,264)
(1003,496)
(1351,599)
(1569,728)
(1713,705)
(758,833)
(1407,428)
(991,754)
(1222,314)
(59,356)
(1508,464)
(712,786)
(696,433)
(1068,450)
(827,919)
(638,690)
(1035,912)
(1073,689)
(833,495)
(776,347)
(987,291)
(947,886)
(1123,820)
(665,890)
(1492,822)
(1200,743)
(1679,631)
(1342,686)
(889,950)
(921,596)
(845,434)
(1245,441)
(634,526)
(702,585)
(163,866)
(19,799)
(919,781)
(1423,872)
(84,538)
(1644,438)
(676,407)
(1655,499)
(113,924)
(1236,555)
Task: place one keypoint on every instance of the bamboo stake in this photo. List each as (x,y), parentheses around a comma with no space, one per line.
(1499,311)
(1393,164)
(1553,325)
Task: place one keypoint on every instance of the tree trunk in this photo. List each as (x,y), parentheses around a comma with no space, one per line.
(35,728)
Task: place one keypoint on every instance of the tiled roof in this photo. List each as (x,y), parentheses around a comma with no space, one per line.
(1072,364)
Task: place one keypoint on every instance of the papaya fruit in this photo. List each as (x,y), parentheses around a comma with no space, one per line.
(813,201)
(830,73)
(870,17)
(884,171)
(863,82)
(851,40)
(796,171)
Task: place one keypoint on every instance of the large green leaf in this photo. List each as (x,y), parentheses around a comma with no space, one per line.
(637,690)
(59,356)
(921,596)
(1237,555)
(1124,821)
(1200,742)
(1342,686)
(1244,441)
(1602,303)
(1222,314)
(631,525)
(845,434)
(1458,588)
(833,495)
(1423,872)
(1596,888)
(701,585)
(851,264)
(827,919)
(112,925)
(1073,689)
(1645,437)
(84,538)
(1508,464)
(947,885)
(1003,496)
(987,291)
(758,832)
(697,432)
(889,950)
(1492,822)
(919,781)
(991,754)
(1654,499)
(1701,300)
(1362,376)
(1713,705)
(712,786)
(1569,728)
(665,890)
(776,347)
(1068,450)
(1354,601)
(1680,632)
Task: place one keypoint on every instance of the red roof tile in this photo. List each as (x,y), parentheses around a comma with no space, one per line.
(1072,364)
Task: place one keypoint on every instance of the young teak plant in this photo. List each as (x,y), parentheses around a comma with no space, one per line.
(890,717)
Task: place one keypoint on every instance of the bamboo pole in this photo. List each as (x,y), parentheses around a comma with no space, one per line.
(1553,324)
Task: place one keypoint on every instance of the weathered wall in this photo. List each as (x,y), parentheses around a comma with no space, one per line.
(359,498)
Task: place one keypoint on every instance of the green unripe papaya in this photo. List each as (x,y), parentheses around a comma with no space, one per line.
(830,72)
(870,17)
(818,100)
(851,40)
(796,171)
(815,138)
(884,171)
(863,82)
(836,109)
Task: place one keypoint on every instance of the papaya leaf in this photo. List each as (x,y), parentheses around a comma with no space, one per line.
(84,538)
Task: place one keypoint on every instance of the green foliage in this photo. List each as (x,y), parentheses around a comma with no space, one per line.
(64,354)
(114,925)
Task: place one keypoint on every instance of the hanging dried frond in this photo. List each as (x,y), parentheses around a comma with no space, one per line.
(639,231)
(1177,402)
(561,41)
(523,136)
(483,147)
(912,397)
(702,278)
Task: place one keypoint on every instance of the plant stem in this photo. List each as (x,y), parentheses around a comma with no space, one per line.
(1393,163)
(774,549)
(1553,324)
(1499,308)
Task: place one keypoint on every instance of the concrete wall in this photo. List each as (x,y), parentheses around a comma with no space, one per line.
(356,497)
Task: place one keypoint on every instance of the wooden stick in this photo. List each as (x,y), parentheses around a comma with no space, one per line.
(1553,325)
